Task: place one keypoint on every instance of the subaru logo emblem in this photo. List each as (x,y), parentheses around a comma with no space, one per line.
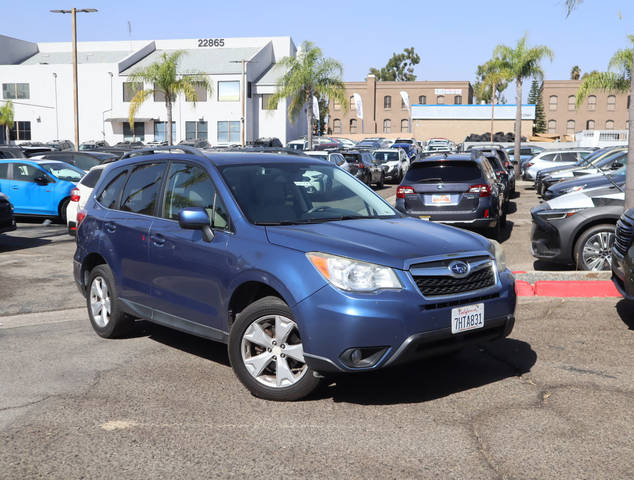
(459,268)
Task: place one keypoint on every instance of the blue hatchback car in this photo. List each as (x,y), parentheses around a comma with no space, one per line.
(299,267)
(38,188)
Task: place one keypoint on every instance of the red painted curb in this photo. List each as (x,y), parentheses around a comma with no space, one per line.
(524,289)
(572,288)
(518,272)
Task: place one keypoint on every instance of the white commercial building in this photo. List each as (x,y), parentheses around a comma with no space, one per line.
(38,79)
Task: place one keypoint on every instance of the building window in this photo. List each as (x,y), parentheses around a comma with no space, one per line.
(387,125)
(228,132)
(196,130)
(266,99)
(609,125)
(12,91)
(353,105)
(572,103)
(229,91)
(387,102)
(611,103)
(552,126)
(440,99)
(592,103)
(336,105)
(201,93)
(336,125)
(590,125)
(353,125)
(160,131)
(570,127)
(457,100)
(422,100)
(552,102)
(404,125)
(139,131)
(20,131)
(130,89)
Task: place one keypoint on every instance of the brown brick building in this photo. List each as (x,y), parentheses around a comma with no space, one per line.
(600,111)
(383,111)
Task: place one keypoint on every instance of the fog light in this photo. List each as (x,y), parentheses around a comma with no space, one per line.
(362,357)
(356,356)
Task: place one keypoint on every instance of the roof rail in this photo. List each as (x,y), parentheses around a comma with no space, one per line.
(256,149)
(165,149)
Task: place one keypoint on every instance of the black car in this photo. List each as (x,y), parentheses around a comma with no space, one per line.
(61,145)
(8,151)
(362,166)
(268,142)
(577,229)
(460,189)
(586,182)
(196,143)
(7,220)
(84,160)
(502,174)
(623,256)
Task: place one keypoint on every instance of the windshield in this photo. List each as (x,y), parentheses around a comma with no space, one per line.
(382,157)
(609,158)
(289,194)
(63,171)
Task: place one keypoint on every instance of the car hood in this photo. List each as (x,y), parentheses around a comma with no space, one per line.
(588,198)
(397,242)
(590,181)
(567,168)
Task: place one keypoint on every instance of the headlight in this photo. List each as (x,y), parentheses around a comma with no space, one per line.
(498,252)
(354,275)
(558,214)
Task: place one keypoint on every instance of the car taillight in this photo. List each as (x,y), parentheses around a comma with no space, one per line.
(360,165)
(483,190)
(80,217)
(402,191)
(74,195)
(529,164)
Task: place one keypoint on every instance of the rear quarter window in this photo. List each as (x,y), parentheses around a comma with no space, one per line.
(91,178)
(447,172)
(109,196)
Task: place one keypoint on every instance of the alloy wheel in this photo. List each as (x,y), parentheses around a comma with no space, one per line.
(100,302)
(272,351)
(597,251)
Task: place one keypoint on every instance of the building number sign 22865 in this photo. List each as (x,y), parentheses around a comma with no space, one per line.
(211,42)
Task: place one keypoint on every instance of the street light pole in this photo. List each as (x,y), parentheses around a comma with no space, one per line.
(244,104)
(73,12)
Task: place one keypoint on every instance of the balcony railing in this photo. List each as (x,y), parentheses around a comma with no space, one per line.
(601,138)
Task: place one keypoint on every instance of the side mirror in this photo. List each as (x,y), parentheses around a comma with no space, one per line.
(41,180)
(196,218)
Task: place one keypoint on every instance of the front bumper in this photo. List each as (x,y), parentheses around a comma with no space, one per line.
(546,239)
(623,273)
(403,324)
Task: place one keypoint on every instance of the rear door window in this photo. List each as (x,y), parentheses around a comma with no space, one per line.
(141,191)
(109,196)
(569,157)
(91,178)
(444,172)
(550,157)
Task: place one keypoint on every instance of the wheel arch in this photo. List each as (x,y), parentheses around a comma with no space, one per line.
(90,261)
(60,205)
(604,220)
(245,294)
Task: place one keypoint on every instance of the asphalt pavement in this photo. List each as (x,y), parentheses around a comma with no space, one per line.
(552,401)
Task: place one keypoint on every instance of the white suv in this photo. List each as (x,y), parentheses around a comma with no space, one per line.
(553,158)
(79,196)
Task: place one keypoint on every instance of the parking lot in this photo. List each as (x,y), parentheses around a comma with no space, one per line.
(551,401)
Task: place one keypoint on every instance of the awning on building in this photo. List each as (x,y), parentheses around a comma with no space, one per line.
(125,119)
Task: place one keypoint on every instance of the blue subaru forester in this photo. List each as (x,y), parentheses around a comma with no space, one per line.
(300,268)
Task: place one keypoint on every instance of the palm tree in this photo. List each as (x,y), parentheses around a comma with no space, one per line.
(494,73)
(166,82)
(308,74)
(575,73)
(6,118)
(522,62)
(618,78)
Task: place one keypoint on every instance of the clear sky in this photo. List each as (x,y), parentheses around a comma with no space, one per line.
(451,36)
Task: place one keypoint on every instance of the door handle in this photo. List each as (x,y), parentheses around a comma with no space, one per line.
(15,187)
(110,227)
(158,240)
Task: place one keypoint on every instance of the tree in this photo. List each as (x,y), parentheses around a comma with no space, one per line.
(399,68)
(7,118)
(618,78)
(493,74)
(575,73)
(308,74)
(167,83)
(522,62)
(535,98)
(482,89)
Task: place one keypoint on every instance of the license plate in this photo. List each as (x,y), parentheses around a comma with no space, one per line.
(424,217)
(440,199)
(467,318)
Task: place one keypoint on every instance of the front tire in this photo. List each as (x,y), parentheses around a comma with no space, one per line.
(593,249)
(106,317)
(381,183)
(266,352)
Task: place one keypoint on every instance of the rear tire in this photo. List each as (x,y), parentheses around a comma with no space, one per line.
(62,210)
(106,317)
(258,340)
(381,183)
(593,248)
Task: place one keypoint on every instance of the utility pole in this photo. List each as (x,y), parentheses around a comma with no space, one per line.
(244,104)
(73,12)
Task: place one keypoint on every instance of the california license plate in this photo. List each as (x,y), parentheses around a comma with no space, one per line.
(467,318)
(440,199)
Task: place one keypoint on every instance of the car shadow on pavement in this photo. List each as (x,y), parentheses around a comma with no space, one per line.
(10,244)
(547,266)
(435,377)
(625,309)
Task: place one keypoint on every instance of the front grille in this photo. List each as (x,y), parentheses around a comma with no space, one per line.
(446,285)
(623,235)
